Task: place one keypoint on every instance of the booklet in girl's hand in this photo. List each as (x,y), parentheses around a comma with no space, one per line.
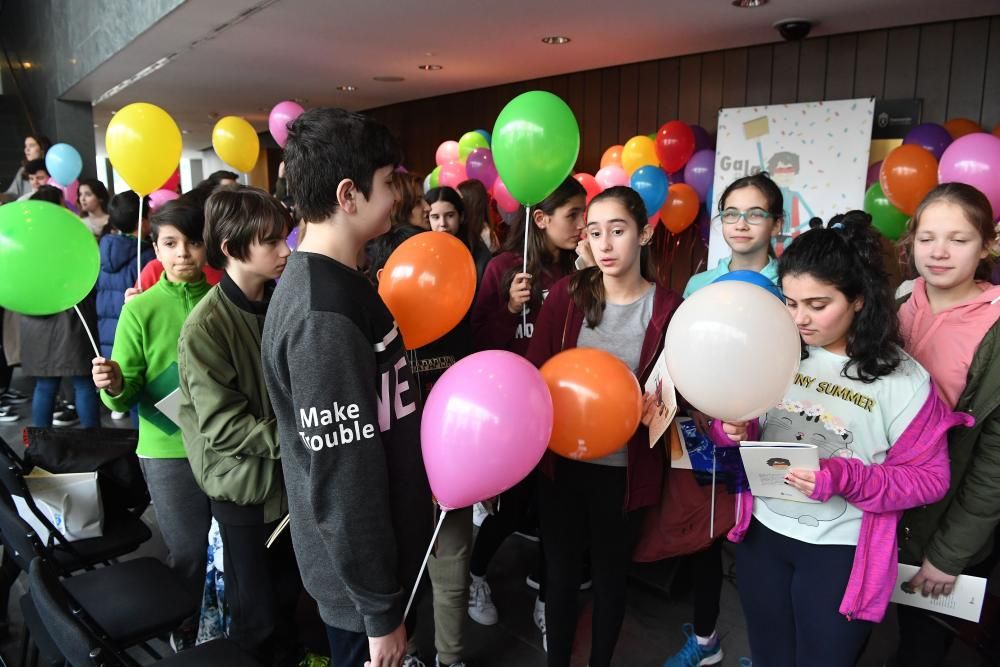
(767,463)
(965,600)
(170,406)
(660,385)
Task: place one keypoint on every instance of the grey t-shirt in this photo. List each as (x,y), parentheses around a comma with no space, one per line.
(621,332)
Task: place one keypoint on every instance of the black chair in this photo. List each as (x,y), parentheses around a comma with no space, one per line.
(124,532)
(127,604)
(82,648)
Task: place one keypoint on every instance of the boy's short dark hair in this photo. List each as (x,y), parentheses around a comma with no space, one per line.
(241,216)
(182,213)
(35,166)
(49,193)
(123,211)
(327,145)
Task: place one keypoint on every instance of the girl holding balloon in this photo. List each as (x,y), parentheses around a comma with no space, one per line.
(503,318)
(593,503)
(949,324)
(814,578)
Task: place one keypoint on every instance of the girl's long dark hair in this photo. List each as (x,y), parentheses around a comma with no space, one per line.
(848,255)
(587,286)
(539,259)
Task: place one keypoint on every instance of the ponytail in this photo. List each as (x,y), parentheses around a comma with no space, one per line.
(848,255)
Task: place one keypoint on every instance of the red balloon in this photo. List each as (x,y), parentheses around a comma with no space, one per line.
(681,208)
(589,184)
(674,145)
(173,181)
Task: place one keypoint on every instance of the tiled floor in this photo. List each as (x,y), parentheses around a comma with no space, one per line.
(651,631)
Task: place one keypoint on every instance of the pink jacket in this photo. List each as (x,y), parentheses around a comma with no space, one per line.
(915,472)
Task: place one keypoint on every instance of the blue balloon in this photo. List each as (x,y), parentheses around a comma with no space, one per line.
(754,278)
(486,135)
(652,185)
(63,163)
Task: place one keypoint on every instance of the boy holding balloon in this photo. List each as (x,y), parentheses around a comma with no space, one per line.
(344,396)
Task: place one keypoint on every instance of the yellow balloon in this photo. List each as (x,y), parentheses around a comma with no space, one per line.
(236,142)
(144,146)
(639,152)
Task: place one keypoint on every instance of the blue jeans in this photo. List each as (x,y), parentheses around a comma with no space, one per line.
(43,403)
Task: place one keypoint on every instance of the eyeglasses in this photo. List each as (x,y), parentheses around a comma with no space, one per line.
(753,216)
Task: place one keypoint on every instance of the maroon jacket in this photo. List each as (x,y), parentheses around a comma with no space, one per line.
(558,328)
(493,326)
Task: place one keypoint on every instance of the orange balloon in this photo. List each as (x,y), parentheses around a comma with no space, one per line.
(428,284)
(996,130)
(612,157)
(596,403)
(959,127)
(680,209)
(908,173)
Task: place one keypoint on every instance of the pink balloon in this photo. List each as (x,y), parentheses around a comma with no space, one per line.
(160,197)
(446,152)
(70,191)
(505,200)
(486,425)
(452,174)
(610,176)
(974,160)
(282,114)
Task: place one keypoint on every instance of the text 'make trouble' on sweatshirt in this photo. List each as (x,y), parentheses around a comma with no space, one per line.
(349,425)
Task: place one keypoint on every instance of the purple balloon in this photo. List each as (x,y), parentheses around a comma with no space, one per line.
(479,165)
(702,139)
(293,239)
(930,136)
(873,171)
(974,160)
(700,171)
(282,114)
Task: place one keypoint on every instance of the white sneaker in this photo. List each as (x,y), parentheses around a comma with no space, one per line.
(539,617)
(479,514)
(118,416)
(438,663)
(412,661)
(481,607)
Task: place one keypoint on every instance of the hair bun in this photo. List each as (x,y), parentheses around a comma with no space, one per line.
(855,227)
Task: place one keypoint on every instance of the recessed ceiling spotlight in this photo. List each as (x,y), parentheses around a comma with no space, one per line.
(185,131)
(430,68)
(430,54)
(72,61)
(26,65)
(556,39)
(748,4)
(389,79)
(347,88)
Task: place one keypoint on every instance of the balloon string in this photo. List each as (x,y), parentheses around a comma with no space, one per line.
(138,244)
(423,566)
(93,344)
(524,269)
(711,519)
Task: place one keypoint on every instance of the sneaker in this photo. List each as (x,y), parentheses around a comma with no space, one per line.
(61,407)
(528,535)
(118,416)
(539,617)
(479,514)
(481,607)
(67,417)
(438,663)
(692,654)
(182,640)
(8,414)
(746,662)
(314,660)
(13,397)
(413,661)
(532,582)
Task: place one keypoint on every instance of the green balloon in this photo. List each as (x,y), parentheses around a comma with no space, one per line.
(536,141)
(886,218)
(49,260)
(435,178)
(469,142)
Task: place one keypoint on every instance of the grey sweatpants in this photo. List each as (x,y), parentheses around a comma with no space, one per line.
(184,516)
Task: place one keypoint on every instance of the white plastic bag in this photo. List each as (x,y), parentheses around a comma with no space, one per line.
(70,501)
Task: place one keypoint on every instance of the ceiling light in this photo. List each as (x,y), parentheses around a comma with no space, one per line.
(389,79)
(185,131)
(72,61)
(430,68)
(429,54)
(26,65)
(556,39)
(347,88)
(748,4)
(141,74)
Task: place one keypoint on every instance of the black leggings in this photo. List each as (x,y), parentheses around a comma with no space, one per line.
(706,576)
(518,510)
(583,507)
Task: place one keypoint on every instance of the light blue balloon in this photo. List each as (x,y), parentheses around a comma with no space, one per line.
(652,185)
(486,135)
(64,164)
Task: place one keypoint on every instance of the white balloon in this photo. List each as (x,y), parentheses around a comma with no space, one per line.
(732,350)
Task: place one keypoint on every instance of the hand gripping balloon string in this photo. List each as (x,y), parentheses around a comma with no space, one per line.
(138,243)
(93,344)
(423,566)
(524,269)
